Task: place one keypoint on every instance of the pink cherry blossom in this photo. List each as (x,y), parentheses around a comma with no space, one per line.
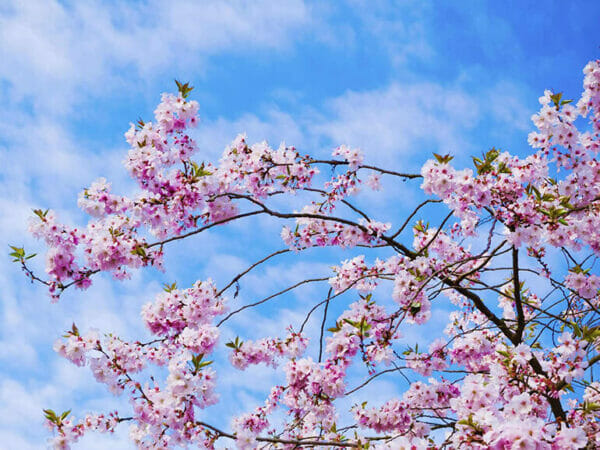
(504,280)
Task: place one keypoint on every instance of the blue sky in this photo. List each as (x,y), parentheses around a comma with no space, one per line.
(398,79)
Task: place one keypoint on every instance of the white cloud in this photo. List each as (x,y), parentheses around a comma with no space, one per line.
(506,100)
(24,400)
(391,123)
(398,26)
(53,54)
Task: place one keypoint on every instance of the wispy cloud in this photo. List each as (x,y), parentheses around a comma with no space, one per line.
(398,26)
(54,53)
(393,122)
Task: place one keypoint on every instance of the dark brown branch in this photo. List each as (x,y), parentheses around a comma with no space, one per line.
(297,442)
(345,202)
(333,162)
(395,235)
(240,275)
(323,323)
(204,228)
(517,296)
(436,234)
(260,302)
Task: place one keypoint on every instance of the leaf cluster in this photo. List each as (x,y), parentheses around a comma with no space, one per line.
(184,88)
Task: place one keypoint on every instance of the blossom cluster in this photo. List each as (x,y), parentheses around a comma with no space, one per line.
(513,369)
(267,350)
(182,321)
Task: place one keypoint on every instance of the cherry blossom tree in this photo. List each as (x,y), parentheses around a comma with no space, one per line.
(514,252)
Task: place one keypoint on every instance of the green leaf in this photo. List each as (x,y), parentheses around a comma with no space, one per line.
(503,168)
(169,287)
(184,88)
(351,322)
(565,201)
(338,327)
(198,363)
(594,333)
(18,253)
(415,307)
(556,99)
(443,159)
(235,344)
(51,416)
(139,250)
(199,170)
(492,154)
(421,226)
(503,353)
(576,269)
(41,214)
(589,407)
(547,197)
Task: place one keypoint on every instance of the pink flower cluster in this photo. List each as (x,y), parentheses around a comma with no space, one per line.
(268,350)
(356,274)
(183,320)
(426,363)
(71,431)
(585,286)
(513,371)
(311,389)
(365,327)
(248,426)
(393,416)
(314,231)
(174,310)
(409,290)
(353,156)
(172,200)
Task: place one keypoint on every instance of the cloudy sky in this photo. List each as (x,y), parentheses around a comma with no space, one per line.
(398,79)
